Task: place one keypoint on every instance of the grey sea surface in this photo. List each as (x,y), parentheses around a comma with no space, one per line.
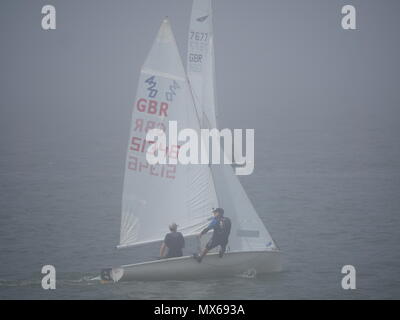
(324,103)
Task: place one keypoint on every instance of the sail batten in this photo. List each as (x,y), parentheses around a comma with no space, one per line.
(162,74)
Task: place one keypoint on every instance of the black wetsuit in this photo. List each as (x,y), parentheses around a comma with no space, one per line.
(175,243)
(222,229)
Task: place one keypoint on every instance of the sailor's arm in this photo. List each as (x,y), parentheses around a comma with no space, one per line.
(203,232)
(210,226)
(162,250)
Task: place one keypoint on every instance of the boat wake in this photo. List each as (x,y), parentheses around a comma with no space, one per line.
(61,281)
(19,283)
(248,274)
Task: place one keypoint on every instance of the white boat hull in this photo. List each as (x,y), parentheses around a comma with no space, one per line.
(187,268)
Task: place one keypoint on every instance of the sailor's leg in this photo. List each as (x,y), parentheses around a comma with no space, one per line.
(200,257)
(205,251)
(222,250)
(209,246)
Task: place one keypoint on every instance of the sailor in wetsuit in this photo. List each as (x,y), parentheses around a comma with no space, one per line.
(222,227)
(173,243)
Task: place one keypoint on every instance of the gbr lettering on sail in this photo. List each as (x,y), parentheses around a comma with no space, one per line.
(151,111)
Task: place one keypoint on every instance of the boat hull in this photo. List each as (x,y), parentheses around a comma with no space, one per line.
(187,268)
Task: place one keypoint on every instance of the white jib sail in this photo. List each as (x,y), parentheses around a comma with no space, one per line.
(156,195)
(248,231)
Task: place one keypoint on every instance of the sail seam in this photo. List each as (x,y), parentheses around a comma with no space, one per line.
(162,74)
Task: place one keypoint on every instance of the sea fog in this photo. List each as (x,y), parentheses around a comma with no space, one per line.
(324,103)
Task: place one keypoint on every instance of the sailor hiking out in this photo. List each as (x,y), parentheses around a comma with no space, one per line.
(221,227)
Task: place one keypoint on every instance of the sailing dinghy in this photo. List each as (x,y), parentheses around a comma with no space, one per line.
(156,195)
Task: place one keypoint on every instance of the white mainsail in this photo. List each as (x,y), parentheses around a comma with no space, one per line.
(248,231)
(200,62)
(154,196)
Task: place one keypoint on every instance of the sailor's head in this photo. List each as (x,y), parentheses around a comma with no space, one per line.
(218,212)
(173,227)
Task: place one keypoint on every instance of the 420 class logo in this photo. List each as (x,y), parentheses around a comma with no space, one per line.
(152,87)
(169,94)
